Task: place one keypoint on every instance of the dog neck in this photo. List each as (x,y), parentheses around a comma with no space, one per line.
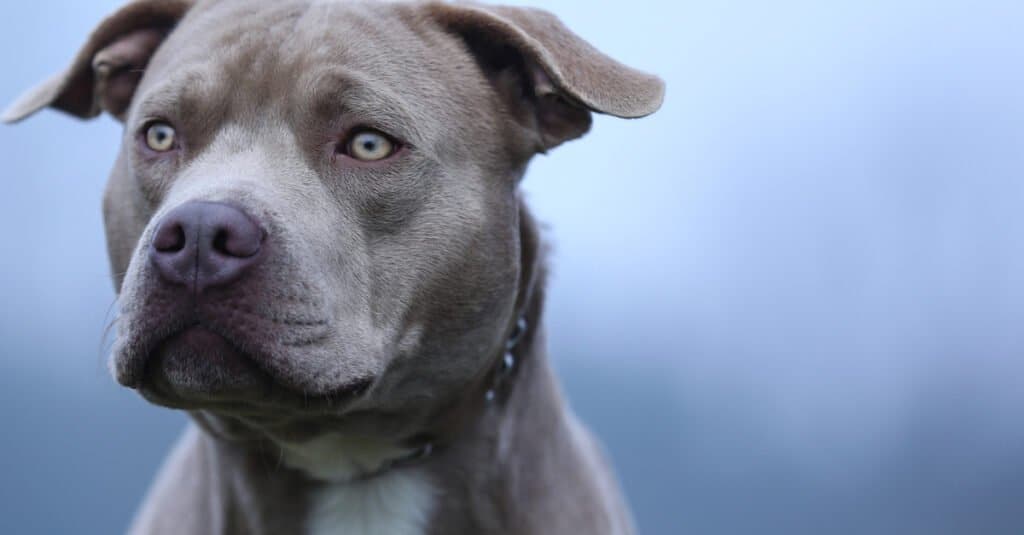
(342,459)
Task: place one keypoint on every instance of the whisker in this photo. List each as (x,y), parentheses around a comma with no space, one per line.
(106,342)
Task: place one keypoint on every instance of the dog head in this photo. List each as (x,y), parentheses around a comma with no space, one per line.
(314,212)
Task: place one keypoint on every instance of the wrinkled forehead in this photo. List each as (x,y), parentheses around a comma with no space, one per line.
(313,57)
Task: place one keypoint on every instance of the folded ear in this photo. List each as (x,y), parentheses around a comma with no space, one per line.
(551,78)
(107,70)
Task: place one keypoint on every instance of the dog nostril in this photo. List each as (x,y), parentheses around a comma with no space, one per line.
(240,240)
(220,242)
(170,239)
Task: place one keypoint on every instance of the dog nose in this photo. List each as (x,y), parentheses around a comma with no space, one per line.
(205,244)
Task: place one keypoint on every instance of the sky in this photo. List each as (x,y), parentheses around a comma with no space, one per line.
(788,302)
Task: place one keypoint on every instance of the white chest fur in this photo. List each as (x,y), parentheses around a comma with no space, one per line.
(334,457)
(394,503)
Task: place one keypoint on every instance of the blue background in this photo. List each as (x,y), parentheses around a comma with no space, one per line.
(788,302)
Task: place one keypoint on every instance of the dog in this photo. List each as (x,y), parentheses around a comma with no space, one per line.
(322,255)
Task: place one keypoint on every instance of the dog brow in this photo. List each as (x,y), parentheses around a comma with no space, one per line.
(347,93)
(194,93)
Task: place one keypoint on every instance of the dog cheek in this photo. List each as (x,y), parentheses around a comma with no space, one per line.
(390,201)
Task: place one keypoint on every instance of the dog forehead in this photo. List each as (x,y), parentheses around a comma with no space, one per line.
(318,57)
(292,41)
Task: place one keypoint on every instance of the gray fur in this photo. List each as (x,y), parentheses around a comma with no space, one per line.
(406,276)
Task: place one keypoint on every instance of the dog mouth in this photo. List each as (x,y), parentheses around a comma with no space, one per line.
(197,368)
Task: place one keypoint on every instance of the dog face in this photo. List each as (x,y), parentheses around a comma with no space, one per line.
(384,223)
(314,215)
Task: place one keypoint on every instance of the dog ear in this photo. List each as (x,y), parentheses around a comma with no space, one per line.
(107,70)
(551,78)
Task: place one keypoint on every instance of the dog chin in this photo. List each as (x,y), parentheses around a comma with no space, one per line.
(198,365)
(199,369)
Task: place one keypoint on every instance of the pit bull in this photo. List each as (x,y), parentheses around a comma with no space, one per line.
(321,253)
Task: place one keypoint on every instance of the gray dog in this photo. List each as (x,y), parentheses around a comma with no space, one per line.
(321,253)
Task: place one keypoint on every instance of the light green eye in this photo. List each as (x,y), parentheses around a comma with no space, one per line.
(370,146)
(160,137)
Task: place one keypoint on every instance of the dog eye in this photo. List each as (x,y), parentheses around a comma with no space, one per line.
(160,137)
(370,146)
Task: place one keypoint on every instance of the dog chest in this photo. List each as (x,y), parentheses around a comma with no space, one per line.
(395,503)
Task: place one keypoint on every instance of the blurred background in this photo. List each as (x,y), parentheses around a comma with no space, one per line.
(788,302)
